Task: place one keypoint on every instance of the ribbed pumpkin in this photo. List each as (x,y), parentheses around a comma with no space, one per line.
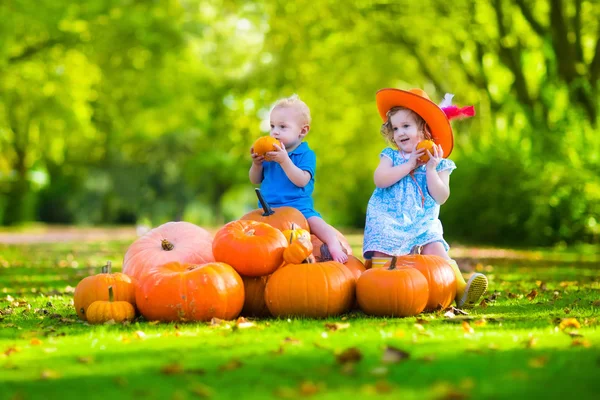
(298,249)
(296,232)
(440,278)
(392,291)
(315,290)
(102,311)
(95,287)
(174,241)
(252,248)
(265,144)
(188,292)
(281,218)
(254,290)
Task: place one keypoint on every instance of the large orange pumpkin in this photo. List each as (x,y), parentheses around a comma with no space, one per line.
(440,278)
(392,291)
(315,290)
(281,218)
(95,288)
(252,248)
(174,241)
(254,290)
(188,292)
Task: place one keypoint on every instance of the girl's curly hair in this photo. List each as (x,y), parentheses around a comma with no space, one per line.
(386,127)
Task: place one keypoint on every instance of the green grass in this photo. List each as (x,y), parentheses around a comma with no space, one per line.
(513,348)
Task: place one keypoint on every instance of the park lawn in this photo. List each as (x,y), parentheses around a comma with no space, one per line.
(536,335)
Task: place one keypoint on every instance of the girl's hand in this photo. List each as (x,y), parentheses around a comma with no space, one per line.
(256,159)
(413,159)
(280,155)
(436,157)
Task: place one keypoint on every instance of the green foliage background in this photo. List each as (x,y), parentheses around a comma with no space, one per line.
(122,111)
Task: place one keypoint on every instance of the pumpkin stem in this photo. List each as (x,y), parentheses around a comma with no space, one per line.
(292,234)
(111,295)
(392,263)
(266,207)
(166,245)
(109,267)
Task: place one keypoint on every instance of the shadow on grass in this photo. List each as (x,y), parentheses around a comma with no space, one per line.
(199,370)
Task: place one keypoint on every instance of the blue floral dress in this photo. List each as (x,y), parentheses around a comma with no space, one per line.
(401,216)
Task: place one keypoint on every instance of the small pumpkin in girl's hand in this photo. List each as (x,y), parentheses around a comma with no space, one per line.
(426,145)
(264,144)
(103,311)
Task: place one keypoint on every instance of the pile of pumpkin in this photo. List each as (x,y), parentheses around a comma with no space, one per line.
(265,264)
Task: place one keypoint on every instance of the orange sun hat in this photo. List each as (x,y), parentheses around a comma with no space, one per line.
(418,101)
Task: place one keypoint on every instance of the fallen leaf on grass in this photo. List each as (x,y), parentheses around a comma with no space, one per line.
(532,295)
(350,355)
(581,342)
(538,362)
(480,322)
(140,335)
(85,359)
(172,369)
(393,355)
(596,303)
(467,328)
(291,340)
(337,326)
(201,390)
(308,388)
(49,374)
(531,342)
(231,365)
(35,342)
(569,323)
(10,350)
(243,323)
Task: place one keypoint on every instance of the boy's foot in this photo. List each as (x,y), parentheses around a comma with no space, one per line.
(337,252)
(476,287)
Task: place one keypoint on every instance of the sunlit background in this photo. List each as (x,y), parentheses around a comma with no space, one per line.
(140,112)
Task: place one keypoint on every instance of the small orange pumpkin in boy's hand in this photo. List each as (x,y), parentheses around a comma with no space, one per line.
(427,145)
(264,144)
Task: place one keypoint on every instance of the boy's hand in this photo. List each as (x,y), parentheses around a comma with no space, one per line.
(436,157)
(256,158)
(280,155)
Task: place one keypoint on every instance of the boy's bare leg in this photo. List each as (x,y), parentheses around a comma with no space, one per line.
(327,234)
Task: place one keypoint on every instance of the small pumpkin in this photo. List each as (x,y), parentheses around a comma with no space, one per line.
(315,290)
(298,249)
(264,144)
(295,232)
(392,291)
(189,292)
(102,311)
(254,291)
(174,241)
(281,218)
(252,248)
(427,145)
(95,287)
(440,278)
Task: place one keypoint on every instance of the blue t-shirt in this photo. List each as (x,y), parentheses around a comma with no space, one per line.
(279,191)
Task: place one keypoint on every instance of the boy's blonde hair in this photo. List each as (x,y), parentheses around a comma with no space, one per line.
(386,127)
(294,102)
